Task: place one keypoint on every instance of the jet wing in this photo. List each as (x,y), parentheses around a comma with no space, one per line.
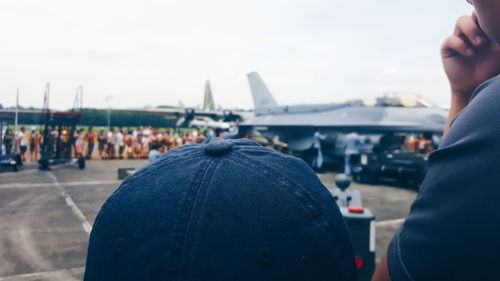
(380,119)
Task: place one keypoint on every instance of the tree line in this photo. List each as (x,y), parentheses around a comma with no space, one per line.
(119,118)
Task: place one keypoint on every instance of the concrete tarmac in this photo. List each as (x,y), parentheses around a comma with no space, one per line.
(46,217)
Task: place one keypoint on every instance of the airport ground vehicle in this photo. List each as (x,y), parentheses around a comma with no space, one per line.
(10,162)
(388,160)
(361,224)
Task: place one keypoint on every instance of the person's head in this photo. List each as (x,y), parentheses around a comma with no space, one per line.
(488,12)
(227,210)
(91,129)
(155,147)
(22,129)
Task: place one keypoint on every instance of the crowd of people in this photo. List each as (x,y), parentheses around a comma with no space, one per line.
(115,143)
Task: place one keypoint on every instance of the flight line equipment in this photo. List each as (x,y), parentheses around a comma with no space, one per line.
(53,149)
(387,160)
(7,160)
(361,224)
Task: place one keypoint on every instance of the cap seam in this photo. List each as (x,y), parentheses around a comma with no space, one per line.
(196,236)
(180,228)
(130,180)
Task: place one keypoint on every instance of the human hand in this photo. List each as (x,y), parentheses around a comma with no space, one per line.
(469,57)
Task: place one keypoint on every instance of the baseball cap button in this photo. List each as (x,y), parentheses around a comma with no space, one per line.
(218,148)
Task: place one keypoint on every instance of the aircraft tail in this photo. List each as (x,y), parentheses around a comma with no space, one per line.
(262,97)
(208,101)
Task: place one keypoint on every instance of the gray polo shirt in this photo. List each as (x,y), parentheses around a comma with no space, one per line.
(453,229)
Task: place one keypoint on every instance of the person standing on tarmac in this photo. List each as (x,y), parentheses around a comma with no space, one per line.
(318,138)
(352,145)
(453,229)
(90,139)
(22,140)
(155,153)
(101,140)
(33,140)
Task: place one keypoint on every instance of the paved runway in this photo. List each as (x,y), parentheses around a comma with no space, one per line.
(45,217)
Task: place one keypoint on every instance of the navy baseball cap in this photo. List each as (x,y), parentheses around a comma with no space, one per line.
(227,210)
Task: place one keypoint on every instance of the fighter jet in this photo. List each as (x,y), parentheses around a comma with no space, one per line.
(296,125)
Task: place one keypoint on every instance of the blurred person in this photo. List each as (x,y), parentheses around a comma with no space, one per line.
(425,144)
(209,136)
(452,230)
(411,143)
(138,147)
(171,139)
(90,140)
(22,140)
(102,141)
(34,144)
(224,211)
(165,140)
(146,131)
(154,153)
(155,132)
(318,138)
(436,140)
(65,143)
(8,140)
(111,143)
(179,139)
(120,142)
(353,145)
(155,137)
(145,145)
(129,143)
(187,138)
(79,143)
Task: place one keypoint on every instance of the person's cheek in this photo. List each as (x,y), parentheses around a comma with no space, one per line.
(489,19)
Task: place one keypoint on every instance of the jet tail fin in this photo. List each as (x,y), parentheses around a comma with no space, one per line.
(262,97)
(208,101)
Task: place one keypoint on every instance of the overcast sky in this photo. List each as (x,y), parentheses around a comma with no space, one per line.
(148,52)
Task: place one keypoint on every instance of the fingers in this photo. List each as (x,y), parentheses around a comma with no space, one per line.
(468,28)
(467,37)
(456,45)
